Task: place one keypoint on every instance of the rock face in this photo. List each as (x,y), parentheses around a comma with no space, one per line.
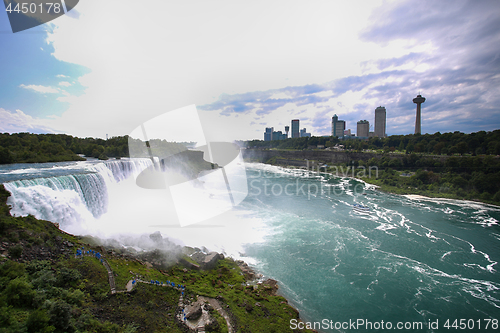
(195,312)
(207,261)
(211,260)
(156,237)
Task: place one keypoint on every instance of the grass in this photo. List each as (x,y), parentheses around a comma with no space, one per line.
(148,308)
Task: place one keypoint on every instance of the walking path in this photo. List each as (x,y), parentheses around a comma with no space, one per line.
(198,325)
(111,277)
(216,305)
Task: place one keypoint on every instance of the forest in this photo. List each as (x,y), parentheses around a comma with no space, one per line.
(40,148)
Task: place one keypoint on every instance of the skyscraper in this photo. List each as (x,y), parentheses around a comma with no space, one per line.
(363,129)
(295,128)
(418,100)
(338,126)
(380,122)
(268,134)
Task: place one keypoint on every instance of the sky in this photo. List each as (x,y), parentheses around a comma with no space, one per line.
(107,67)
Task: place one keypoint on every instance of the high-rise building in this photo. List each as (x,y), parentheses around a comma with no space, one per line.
(418,100)
(363,128)
(295,128)
(380,122)
(338,126)
(268,134)
(303,133)
(278,136)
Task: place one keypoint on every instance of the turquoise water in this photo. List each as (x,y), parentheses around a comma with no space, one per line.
(406,260)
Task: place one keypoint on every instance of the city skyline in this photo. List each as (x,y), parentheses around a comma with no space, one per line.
(86,74)
(340,129)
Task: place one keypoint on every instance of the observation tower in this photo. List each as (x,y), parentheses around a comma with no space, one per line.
(418,100)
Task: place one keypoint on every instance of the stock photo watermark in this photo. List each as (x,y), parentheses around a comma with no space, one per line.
(26,14)
(297,184)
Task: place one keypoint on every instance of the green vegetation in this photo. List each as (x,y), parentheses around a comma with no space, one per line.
(439,144)
(471,178)
(40,148)
(44,288)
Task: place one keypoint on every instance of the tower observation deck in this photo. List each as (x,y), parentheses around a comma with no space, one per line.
(418,100)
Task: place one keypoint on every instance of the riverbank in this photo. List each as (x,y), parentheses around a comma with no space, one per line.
(397,182)
(466,178)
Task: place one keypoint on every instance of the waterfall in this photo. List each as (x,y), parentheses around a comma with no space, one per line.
(73,198)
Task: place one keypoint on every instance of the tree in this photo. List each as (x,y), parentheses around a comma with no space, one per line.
(66,276)
(462,147)
(19,292)
(60,315)
(438,148)
(38,321)
(5,156)
(453,150)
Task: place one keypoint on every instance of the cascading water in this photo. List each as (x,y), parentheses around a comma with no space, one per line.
(91,189)
(74,198)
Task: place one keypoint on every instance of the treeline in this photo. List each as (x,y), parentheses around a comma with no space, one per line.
(479,143)
(40,148)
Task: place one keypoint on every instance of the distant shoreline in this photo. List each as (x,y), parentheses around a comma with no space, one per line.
(395,190)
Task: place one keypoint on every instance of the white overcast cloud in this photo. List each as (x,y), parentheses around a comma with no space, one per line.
(251,65)
(145,62)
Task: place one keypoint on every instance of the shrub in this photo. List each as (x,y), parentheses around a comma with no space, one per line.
(45,279)
(5,319)
(20,293)
(15,251)
(60,315)
(12,269)
(13,237)
(38,321)
(37,265)
(67,276)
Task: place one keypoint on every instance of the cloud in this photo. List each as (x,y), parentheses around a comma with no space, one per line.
(18,121)
(64,84)
(61,75)
(40,89)
(191,56)
(279,62)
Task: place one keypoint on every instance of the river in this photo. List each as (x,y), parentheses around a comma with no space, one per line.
(407,260)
